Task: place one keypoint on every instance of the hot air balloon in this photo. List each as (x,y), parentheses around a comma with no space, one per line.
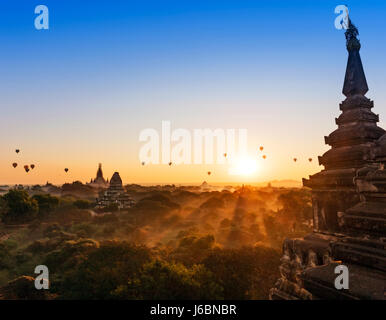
(261,148)
(32,166)
(14,164)
(225,155)
(295,159)
(209,173)
(26,168)
(170,163)
(66,170)
(17,150)
(309,159)
(143,163)
(264,157)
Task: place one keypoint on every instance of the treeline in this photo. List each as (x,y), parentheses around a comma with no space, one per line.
(89,269)
(17,207)
(170,245)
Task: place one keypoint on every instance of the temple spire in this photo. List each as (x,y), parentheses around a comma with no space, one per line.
(355,79)
(99,172)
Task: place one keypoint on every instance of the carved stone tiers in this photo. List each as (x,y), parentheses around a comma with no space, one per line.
(349,204)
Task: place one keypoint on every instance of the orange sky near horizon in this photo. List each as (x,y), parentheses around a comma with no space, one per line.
(83,164)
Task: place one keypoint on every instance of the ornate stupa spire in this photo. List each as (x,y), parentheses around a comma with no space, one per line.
(99,181)
(352,143)
(355,79)
(357,124)
(348,202)
(99,172)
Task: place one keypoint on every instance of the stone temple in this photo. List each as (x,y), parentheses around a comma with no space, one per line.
(349,204)
(99,181)
(115,195)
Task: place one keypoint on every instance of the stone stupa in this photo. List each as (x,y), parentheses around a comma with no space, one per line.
(349,204)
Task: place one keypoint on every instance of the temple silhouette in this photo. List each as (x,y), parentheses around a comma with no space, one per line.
(99,181)
(115,195)
(349,204)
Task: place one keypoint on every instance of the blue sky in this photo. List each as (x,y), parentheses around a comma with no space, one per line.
(80,92)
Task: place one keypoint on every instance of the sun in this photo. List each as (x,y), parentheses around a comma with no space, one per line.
(243,167)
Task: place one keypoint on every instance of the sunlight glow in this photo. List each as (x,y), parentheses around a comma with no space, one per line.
(243,167)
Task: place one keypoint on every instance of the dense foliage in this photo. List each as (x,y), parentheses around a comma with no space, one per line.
(173,244)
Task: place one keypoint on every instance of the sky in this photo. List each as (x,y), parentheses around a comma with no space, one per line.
(80,93)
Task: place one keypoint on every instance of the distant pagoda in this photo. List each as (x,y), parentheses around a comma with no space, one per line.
(115,195)
(99,181)
(349,204)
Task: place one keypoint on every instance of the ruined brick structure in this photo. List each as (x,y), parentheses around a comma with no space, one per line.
(349,204)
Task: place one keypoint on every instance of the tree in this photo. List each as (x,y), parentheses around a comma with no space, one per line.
(103,270)
(296,204)
(161,280)
(193,249)
(82,204)
(46,203)
(245,273)
(18,207)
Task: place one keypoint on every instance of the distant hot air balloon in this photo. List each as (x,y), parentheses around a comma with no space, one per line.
(261,148)
(32,166)
(295,159)
(66,169)
(14,164)
(170,163)
(225,155)
(209,173)
(17,150)
(143,163)
(309,159)
(26,168)
(264,157)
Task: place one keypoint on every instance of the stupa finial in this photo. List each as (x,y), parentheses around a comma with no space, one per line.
(355,79)
(352,42)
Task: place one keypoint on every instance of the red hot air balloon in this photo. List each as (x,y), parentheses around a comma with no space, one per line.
(66,170)
(261,148)
(309,159)
(14,164)
(17,150)
(295,159)
(32,166)
(209,173)
(170,163)
(26,168)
